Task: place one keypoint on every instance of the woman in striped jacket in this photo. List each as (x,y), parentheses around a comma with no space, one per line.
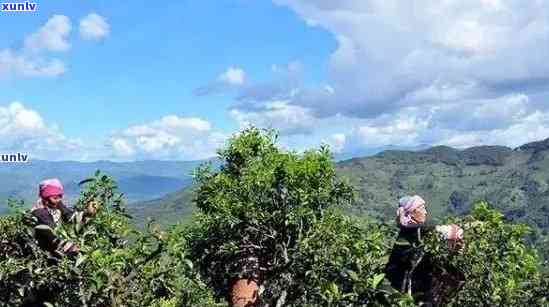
(50,211)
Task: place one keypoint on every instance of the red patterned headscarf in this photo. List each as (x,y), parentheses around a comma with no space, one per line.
(407,205)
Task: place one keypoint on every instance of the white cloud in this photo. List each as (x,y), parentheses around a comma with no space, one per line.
(409,73)
(482,115)
(532,127)
(29,61)
(174,123)
(16,117)
(404,130)
(507,120)
(171,137)
(494,4)
(233,76)
(337,142)
(12,64)
(389,51)
(287,119)
(24,130)
(52,36)
(122,148)
(24,118)
(94,27)
(33,58)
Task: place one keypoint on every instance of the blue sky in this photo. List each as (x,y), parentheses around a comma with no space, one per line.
(154,57)
(128,81)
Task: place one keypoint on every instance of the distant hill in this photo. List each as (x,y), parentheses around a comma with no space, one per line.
(167,210)
(140,180)
(367,152)
(514,180)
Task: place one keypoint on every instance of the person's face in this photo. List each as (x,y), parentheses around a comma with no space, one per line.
(419,215)
(54,201)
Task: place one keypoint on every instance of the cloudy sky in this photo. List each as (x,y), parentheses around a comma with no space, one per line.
(127,81)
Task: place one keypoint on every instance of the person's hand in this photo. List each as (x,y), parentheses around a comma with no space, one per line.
(456,245)
(75,249)
(70,248)
(91,209)
(453,234)
(450,232)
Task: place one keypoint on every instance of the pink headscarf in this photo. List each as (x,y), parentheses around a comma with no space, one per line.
(407,205)
(50,187)
(47,188)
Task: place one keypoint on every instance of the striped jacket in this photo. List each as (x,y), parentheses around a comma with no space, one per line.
(47,219)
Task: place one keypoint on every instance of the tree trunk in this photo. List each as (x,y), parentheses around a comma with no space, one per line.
(244,293)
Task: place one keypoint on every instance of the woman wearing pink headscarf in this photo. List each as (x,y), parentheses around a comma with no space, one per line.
(50,211)
(408,269)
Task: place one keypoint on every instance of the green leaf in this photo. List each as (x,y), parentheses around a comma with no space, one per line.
(353,275)
(189,263)
(80,260)
(377,279)
(87,180)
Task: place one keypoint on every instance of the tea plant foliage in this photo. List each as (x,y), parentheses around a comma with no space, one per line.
(267,214)
(117,265)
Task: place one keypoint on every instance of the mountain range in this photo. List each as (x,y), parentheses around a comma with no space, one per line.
(140,180)
(516,181)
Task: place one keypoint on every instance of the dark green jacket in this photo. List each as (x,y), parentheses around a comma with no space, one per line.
(411,269)
(408,263)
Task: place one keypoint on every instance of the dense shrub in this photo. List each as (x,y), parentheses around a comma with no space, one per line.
(499,267)
(117,266)
(267,214)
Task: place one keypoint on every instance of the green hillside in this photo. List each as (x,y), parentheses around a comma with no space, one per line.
(167,210)
(451,180)
(516,181)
